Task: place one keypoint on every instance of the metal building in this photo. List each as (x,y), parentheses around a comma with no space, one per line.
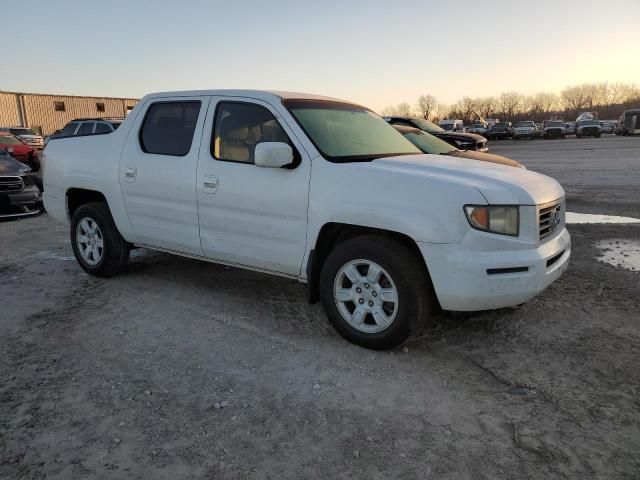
(47,113)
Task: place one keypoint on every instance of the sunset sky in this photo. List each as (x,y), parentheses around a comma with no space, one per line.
(373,52)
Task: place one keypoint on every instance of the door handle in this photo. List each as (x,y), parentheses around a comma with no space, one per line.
(130,174)
(210,184)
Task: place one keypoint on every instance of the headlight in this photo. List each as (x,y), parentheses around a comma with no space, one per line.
(501,219)
(463,144)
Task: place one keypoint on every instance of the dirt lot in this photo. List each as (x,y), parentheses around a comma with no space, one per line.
(179,369)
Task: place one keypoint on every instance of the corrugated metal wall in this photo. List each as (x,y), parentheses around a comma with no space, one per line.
(39,110)
(9,114)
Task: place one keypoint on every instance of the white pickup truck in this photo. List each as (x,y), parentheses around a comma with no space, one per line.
(316,189)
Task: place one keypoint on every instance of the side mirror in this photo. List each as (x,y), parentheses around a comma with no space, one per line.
(273,154)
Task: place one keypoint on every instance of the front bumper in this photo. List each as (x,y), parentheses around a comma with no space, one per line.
(524,134)
(469,279)
(554,133)
(20,204)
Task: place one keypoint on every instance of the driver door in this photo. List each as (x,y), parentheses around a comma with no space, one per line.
(250,215)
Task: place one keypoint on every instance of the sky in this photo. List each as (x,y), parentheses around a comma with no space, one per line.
(375,53)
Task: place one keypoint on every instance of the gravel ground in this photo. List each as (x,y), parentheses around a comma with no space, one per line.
(178,369)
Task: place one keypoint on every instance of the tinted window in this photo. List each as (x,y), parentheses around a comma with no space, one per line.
(58,106)
(69,129)
(168,128)
(100,106)
(239,127)
(102,128)
(86,128)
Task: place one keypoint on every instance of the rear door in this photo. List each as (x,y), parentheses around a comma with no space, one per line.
(158,172)
(250,215)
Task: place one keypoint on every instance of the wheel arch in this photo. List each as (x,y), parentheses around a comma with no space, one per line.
(332,234)
(76,197)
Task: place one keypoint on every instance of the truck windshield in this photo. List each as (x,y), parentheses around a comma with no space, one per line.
(9,140)
(426,125)
(430,144)
(343,132)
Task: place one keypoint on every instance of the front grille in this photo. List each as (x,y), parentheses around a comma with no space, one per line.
(11,184)
(550,217)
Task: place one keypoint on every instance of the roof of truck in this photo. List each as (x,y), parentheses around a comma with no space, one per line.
(259,94)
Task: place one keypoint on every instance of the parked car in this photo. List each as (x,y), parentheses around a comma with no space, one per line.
(526,129)
(27,135)
(461,140)
(500,131)
(629,123)
(89,126)
(570,128)
(19,195)
(428,143)
(588,128)
(553,129)
(606,126)
(19,150)
(451,125)
(539,130)
(479,129)
(225,176)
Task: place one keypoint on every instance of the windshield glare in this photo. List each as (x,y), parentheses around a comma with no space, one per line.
(589,122)
(555,124)
(429,144)
(426,125)
(345,132)
(447,126)
(524,124)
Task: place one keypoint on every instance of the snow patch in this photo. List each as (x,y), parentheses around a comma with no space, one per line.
(591,218)
(620,253)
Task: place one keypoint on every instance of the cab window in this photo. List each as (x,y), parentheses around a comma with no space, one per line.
(239,127)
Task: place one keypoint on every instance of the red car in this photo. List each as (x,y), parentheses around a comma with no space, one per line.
(19,150)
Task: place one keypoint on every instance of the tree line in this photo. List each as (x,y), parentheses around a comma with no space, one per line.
(607,100)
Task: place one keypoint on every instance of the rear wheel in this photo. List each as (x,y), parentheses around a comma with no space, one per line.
(97,244)
(375,291)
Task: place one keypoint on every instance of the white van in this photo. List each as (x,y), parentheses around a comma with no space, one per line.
(452,125)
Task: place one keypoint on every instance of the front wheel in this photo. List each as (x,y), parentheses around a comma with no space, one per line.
(97,244)
(375,291)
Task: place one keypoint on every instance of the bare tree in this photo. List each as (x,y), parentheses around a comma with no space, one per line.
(486,107)
(575,98)
(511,103)
(427,104)
(402,109)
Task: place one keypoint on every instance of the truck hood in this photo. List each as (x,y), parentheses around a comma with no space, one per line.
(499,184)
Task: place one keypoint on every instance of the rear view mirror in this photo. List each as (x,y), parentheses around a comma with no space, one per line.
(273,154)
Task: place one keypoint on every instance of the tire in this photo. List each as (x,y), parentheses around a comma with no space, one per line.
(112,257)
(401,271)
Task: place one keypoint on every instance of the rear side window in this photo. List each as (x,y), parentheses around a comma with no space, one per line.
(102,128)
(86,128)
(239,127)
(69,130)
(168,128)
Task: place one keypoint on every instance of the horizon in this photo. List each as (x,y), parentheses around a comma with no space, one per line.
(343,53)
